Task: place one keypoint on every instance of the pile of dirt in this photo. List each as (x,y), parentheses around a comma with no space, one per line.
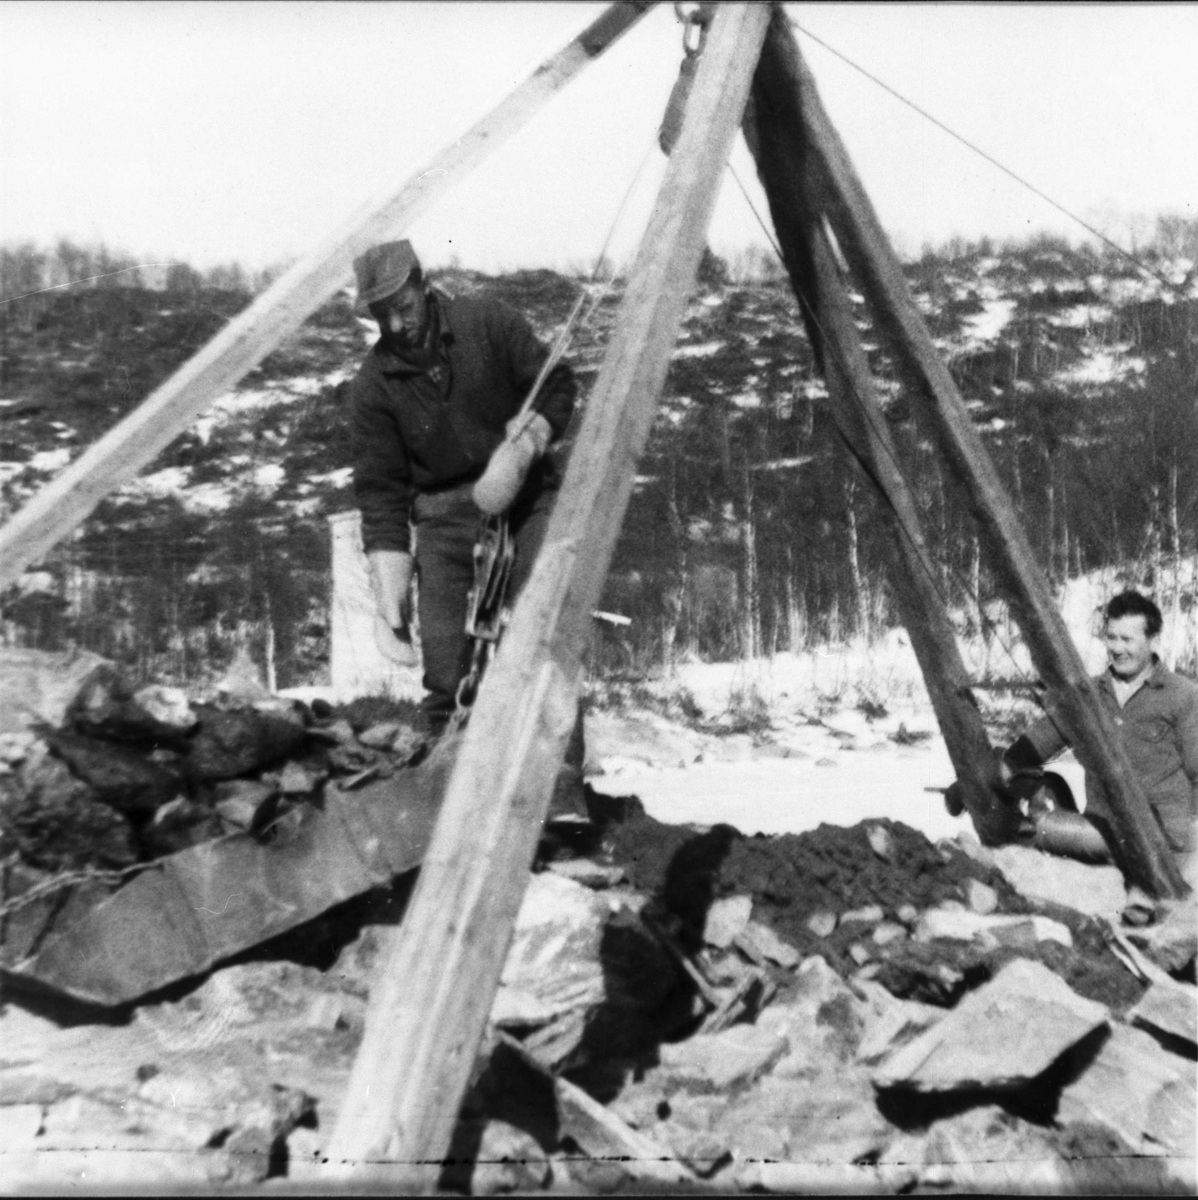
(803,886)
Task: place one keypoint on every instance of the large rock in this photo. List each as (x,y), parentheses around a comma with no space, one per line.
(820,1018)
(197,1130)
(56,821)
(553,965)
(815,1133)
(108,1144)
(228,744)
(36,903)
(601,1134)
(989,931)
(889,1022)
(984,1149)
(721,1061)
(508,1160)
(245,1118)
(1171,1008)
(38,687)
(169,706)
(206,903)
(999,1037)
(1139,1091)
(119,777)
(1097,891)
(106,707)
(726,920)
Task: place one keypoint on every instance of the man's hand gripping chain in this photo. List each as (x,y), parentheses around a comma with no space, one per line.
(486,607)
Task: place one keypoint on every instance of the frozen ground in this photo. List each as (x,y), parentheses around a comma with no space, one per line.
(816,758)
(792,795)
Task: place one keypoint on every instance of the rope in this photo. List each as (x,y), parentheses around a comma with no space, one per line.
(566,336)
(1031,187)
(483,649)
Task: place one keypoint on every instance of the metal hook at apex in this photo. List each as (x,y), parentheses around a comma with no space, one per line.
(695,18)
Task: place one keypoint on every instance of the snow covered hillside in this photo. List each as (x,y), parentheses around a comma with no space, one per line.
(749,531)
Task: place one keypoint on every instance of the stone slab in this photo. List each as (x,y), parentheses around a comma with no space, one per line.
(726,919)
(1097,891)
(188,911)
(731,1058)
(1137,1090)
(1170,1007)
(993,929)
(999,1037)
(553,966)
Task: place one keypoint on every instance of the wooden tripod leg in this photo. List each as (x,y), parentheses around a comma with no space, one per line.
(431,1002)
(775,139)
(67,499)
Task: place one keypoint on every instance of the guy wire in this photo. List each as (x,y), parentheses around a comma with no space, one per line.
(872,414)
(1143,266)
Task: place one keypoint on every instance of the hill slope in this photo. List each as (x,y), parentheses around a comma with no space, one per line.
(748,530)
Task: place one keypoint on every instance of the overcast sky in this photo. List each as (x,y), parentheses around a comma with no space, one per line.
(232,131)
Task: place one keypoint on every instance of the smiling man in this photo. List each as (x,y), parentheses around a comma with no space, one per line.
(1156,714)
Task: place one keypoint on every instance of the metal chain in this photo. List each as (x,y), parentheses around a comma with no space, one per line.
(56,883)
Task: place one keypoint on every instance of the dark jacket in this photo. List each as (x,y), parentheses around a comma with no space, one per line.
(1158,729)
(422,430)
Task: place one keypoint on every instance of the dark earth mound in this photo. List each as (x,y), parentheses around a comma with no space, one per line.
(835,870)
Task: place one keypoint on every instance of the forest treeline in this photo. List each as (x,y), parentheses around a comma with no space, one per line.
(750,529)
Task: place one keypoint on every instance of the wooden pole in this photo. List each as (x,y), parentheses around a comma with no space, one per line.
(431,1000)
(116,457)
(774,134)
(1139,847)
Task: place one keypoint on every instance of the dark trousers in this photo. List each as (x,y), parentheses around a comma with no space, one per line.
(447,524)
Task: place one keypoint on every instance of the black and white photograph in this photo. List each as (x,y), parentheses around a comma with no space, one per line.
(598,599)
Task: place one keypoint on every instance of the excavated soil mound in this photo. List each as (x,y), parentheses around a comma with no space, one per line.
(791,877)
(879,864)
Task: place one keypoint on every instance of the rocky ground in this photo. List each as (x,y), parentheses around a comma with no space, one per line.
(684,1008)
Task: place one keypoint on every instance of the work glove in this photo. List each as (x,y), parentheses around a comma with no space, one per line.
(526,439)
(394,643)
(391,572)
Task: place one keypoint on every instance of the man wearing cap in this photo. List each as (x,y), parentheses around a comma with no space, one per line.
(430,405)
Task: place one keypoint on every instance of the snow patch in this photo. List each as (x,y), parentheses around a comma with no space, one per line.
(747,400)
(168,481)
(268,478)
(1102,366)
(208,498)
(1082,316)
(50,460)
(784,464)
(699,350)
(306,508)
(985,326)
(338,478)
(1130,290)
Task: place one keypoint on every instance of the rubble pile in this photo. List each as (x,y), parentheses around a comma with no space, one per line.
(97,779)
(682,1009)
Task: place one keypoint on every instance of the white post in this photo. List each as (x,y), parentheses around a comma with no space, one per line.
(356,667)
